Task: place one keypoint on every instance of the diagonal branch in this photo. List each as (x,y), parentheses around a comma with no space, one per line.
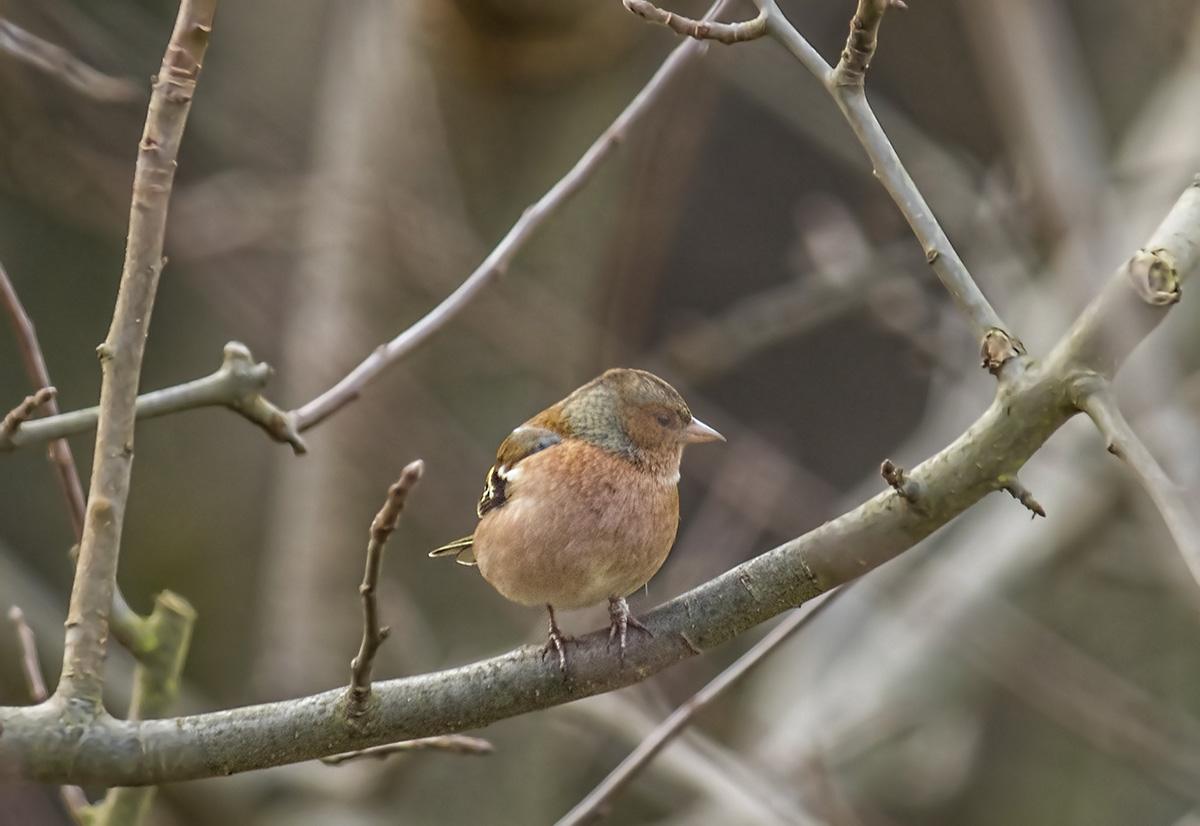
(39,376)
(1100,404)
(845,84)
(121,361)
(59,63)
(36,744)
(351,386)
(124,620)
(678,721)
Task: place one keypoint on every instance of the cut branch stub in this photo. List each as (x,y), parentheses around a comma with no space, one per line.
(997,348)
(1154,277)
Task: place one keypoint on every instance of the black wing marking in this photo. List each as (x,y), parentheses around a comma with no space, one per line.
(520,444)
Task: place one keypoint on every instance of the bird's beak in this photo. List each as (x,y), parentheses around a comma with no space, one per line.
(698,431)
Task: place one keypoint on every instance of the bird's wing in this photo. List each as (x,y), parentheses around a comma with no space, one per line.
(523,442)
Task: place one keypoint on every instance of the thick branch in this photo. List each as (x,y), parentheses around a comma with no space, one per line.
(1137,298)
(498,260)
(35,744)
(119,752)
(121,360)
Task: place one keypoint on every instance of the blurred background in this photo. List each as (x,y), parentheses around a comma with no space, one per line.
(346,165)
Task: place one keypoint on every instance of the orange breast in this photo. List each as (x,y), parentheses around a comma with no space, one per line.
(579,526)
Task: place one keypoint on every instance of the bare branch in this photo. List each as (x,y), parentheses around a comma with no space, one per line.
(237,384)
(449,743)
(30,663)
(1101,405)
(860,45)
(121,362)
(939,252)
(1023,495)
(706,29)
(58,62)
(26,410)
(164,639)
(36,744)
(123,617)
(374,634)
(39,376)
(590,807)
(498,260)
(1137,298)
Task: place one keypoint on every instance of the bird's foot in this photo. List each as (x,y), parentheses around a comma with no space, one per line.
(557,642)
(621,619)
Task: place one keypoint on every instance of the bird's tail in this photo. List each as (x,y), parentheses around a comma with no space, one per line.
(463,550)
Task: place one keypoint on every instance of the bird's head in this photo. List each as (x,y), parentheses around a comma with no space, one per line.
(636,414)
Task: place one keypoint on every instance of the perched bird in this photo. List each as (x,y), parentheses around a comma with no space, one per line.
(582,504)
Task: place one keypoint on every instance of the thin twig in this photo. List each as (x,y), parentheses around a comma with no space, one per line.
(498,260)
(374,634)
(590,807)
(30,663)
(727,33)
(124,620)
(26,410)
(58,62)
(1100,404)
(449,743)
(121,361)
(1024,495)
(39,376)
(849,95)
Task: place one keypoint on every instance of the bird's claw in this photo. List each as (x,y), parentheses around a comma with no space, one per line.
(557,642)
(621,619)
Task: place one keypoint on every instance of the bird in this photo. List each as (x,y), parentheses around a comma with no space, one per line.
(582,503)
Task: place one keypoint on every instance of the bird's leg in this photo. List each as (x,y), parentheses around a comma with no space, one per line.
(557,642)
(621,619)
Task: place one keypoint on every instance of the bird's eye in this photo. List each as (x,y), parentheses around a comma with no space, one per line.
(664,419)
